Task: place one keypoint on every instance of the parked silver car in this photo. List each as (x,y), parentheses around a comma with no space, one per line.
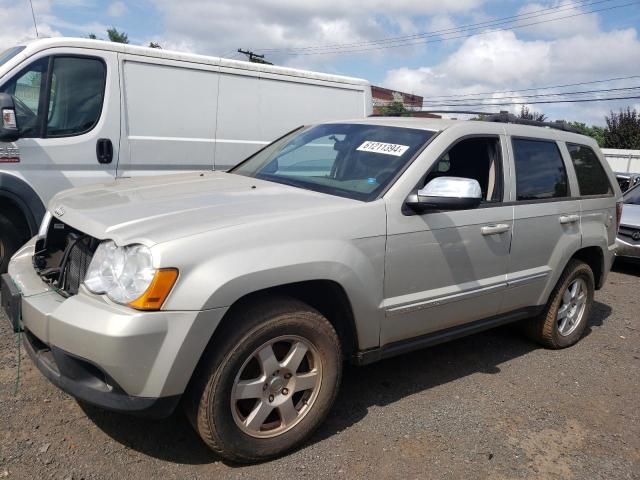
(241,293)
(629,233)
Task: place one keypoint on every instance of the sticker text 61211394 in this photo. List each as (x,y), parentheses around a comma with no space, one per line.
(384,148)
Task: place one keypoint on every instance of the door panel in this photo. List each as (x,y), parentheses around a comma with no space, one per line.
(445,269)
(542,245)
(442,271)
(547,227)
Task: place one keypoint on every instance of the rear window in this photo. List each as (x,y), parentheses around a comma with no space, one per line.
(592,178)
(540,171)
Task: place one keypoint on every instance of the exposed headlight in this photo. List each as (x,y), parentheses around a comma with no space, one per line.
(126,275)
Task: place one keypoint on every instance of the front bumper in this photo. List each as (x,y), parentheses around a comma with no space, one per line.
(627,249)
(108,354)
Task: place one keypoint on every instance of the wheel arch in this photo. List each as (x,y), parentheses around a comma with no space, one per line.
(326,296)
(594,257)
(21,202)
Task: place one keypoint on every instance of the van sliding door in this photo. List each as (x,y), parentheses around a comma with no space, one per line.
(170,116)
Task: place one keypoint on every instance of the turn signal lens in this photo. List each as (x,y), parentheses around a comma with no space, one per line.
(158,291)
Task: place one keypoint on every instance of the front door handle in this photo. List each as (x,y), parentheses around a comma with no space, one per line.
(104,151)
(566,219)
(495,229)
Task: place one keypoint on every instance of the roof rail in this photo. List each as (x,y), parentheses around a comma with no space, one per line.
(506,117)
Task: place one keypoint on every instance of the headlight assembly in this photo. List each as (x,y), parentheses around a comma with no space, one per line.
(126,275)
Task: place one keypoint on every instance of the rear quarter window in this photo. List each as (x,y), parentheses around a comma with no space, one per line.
(592,178)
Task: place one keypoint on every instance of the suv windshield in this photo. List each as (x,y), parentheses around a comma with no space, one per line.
(633,196)
(349,160)
(8,54)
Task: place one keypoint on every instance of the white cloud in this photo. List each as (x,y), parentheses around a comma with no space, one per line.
(17,23)
(117,9)
(500,61)
(580,24)
(225,25)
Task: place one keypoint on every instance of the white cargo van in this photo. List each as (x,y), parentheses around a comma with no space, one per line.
(79,111)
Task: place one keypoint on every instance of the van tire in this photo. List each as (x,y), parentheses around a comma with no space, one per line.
(9,242)
(546,327)
(209,400)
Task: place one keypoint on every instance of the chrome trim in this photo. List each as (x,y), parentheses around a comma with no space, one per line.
(528,278)
(435,302)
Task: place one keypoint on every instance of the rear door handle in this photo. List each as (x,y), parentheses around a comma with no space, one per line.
(565,219)
(104,151)
(495,229)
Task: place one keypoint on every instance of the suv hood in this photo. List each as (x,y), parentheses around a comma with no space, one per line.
(156,209)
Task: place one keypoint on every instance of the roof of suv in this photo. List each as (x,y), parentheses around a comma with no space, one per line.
(441,124)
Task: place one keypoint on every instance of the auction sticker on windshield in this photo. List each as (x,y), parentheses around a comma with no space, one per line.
(384,148)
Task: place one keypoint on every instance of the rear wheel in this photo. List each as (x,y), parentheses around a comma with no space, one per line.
(267,383)
(565,317)
(10,241)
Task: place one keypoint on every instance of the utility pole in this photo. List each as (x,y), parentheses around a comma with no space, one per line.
(254,57)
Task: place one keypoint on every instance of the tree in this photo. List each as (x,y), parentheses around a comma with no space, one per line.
(527,114)
(592,131)
(623,130)
(395,109)
(154,45)
(92,36)
(116,36)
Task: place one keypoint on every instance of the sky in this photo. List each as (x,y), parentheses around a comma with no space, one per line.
(446,47)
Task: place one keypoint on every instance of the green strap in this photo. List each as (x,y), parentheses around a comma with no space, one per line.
(19,337)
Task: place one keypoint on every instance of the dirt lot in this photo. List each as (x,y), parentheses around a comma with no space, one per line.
(491,405)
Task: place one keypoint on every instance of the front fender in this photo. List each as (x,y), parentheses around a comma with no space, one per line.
(356,265)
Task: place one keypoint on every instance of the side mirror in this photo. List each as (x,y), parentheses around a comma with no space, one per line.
(9,131)
(446,193)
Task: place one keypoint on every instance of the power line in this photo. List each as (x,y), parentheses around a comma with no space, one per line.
(473,26)
(517,97)
(615,79)
(439,40)
(535,102)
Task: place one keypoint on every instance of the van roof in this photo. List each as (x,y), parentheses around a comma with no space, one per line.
(44,43)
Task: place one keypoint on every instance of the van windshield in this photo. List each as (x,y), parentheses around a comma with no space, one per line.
(349,160)
(9,54)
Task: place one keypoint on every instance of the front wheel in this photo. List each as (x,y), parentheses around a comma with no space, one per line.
(268,382)
(565,317)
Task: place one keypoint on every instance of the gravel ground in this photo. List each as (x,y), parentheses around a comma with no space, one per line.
(491,405)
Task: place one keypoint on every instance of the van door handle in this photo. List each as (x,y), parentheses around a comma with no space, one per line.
(495,229)
(104,151)
(566,219)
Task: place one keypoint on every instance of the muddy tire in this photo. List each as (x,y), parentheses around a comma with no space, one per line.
(266,382)
(565,317)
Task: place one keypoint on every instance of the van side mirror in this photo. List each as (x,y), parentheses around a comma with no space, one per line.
(446,193)
(9,131)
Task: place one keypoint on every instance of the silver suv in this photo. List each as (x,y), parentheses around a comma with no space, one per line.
(240,294)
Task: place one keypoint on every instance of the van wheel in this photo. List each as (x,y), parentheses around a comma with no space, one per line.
(9,242)
(267,382)
(565,318)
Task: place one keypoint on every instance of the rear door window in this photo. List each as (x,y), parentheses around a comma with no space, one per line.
(592,178)
(540,170)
